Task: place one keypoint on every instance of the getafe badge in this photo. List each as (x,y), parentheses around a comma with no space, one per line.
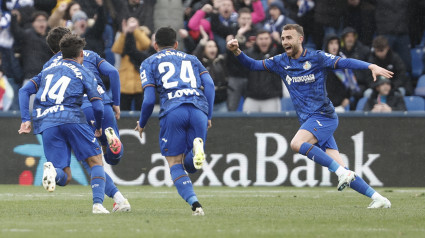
(307,65)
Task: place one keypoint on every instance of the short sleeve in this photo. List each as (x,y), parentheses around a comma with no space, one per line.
(146,75)
(328,60)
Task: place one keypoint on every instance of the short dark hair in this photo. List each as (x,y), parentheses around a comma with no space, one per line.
(71,45)
(67,16)
(296,27)
(36,14)
(262,31)
(244,10)
(165,36)
(380,43)
(54,37)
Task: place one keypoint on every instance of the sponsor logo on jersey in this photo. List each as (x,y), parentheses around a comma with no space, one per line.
(300,79)
(143,76)
(49,110)
(183,92)
(307,65)
(287,67)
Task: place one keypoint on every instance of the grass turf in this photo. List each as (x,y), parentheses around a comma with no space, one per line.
(230,212)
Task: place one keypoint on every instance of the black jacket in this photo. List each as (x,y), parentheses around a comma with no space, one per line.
(360,52)
(391,17)
(263,84)
(395,100)
(93,35)
(337,91)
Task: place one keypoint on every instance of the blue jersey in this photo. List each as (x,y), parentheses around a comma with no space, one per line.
(91,61)
(60,89)
(305,79)
(177,78)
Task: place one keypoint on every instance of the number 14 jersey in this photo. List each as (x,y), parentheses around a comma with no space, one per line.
(177,79)
(60,90)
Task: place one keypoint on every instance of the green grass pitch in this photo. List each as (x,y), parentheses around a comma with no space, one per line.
(230,212)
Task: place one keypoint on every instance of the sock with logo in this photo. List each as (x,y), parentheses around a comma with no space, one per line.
(98,183)
(319,156)
(183,184)
(188,162)
(362,187)
(110,188)
(61,177)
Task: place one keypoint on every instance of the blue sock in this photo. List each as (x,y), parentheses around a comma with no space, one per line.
(319,156)
(61,177)
(362,187)
(98,183)
(110,188)
(183,184)
(188,163)
(112,158)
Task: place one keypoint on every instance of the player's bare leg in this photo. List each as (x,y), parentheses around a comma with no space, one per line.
(304,143)
(183,183)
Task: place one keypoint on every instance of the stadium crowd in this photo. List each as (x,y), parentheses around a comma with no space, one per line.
(389,33)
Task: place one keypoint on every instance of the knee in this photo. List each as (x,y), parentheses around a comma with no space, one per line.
(296,145)
(95,160)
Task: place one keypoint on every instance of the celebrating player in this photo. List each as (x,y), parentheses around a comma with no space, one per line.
(110,137)
(303,73)
(58,117)
(186,98)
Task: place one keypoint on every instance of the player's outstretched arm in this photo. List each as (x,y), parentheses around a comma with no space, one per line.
(147,109)
(24,102)
(379,71)
(209,91)
(250,63)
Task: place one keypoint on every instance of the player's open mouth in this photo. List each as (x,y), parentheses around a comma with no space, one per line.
(288,48)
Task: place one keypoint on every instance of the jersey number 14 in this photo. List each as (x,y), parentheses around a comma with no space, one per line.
(51,92)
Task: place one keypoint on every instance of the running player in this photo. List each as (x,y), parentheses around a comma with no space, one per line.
(186,93)
(58,117)
(110,137)
(303,73)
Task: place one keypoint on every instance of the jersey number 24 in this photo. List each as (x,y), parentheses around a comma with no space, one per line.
(186,74)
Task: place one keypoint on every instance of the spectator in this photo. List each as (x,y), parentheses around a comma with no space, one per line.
(143,11)
(391,18)
(131,88)
(223,23)
(245,32)
(353,48)
(198,20)
(338,80)
(277,20)
(383,56)
(34,49)
(62,16)
(6,92)
(360,15)
(384,99)
(264,89)
(91,33)
(207,53)
(255,7)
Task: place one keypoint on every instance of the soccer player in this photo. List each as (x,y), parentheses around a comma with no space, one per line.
(58,117)
(303,73)
(186,93)
(111,144)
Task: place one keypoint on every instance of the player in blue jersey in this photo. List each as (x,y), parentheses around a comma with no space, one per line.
(304,74)
(186,93)
(110,138)
(58,117)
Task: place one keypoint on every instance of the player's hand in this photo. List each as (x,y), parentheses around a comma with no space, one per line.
(25,127)
(376,71)
(98,132)
(233,45)
(209,124)
(117,111)
(139,129)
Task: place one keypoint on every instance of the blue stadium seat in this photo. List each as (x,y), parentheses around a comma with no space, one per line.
(420,87)
(361,103)
(414,103)
(417,63)
(287,105)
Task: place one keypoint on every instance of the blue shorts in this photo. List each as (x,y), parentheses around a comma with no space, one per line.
(59,140)
(108,121)
(322,128)
(179,127)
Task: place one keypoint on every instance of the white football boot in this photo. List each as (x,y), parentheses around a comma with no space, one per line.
(113,140)
(198,212)
(198,153)
(49,177)
(381,202)
(99,209)
(345,179)
(123,206)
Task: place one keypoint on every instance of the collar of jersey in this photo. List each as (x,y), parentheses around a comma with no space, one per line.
(70,60)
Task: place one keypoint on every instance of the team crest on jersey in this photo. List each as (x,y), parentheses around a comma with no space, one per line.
(307,65)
